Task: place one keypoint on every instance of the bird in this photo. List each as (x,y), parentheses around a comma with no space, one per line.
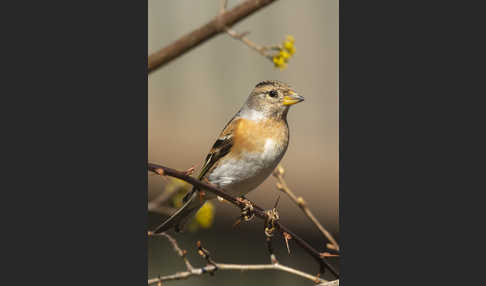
(247,150)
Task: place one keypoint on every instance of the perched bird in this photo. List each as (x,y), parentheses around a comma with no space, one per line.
(247,151)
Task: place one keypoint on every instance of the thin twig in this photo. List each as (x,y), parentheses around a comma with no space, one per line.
(241,267)
(204,33)
(160,200)
(299,201)
(212,266)
(241,36)
(258,211)
(163,210)
(222,6)
(157,204)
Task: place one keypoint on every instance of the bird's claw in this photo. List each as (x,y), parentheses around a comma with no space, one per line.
(272,217)
(247,211)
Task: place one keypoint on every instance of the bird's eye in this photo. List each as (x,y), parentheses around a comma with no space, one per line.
(273,93)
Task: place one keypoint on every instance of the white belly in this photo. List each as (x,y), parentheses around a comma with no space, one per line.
(241,175)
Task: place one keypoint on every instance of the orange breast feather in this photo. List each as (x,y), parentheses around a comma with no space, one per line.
(250,136)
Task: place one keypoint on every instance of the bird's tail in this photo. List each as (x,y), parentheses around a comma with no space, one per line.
(182,215)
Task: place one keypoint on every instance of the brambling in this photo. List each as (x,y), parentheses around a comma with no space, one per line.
(247,151)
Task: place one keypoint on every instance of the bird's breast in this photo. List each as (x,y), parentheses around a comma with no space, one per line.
(257,150)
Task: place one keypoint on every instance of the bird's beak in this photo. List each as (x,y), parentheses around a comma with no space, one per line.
(292,98)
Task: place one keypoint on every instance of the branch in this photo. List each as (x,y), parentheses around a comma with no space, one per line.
(159,200)
(241,37)
(299,201)
(212,266)
(163,210)
(258,211)
(204,33)
(262,50)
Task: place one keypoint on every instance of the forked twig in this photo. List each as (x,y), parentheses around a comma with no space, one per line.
(204,33)
(299,201)
(258,211)
(262,50)
(212,266)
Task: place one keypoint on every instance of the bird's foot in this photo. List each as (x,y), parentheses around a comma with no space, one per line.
(272,218)
(247,210)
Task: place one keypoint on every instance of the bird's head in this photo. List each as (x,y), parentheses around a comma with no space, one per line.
(271,99)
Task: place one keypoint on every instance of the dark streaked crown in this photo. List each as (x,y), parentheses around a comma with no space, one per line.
(274,83)
(269,85)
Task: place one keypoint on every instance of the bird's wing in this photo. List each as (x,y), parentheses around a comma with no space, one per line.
(221,147)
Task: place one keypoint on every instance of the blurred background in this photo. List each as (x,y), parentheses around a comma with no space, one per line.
(192,98)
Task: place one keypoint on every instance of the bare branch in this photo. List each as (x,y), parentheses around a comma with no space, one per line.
(258,211)
(177,249)
(212,266)
(222,6)
(163,210)
(241,37)
(204,33)
(262,50)
(241,267)
(172,186)
(157,203)
(299,201)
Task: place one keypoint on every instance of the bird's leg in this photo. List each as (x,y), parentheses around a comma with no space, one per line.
(272,217)
(246,211)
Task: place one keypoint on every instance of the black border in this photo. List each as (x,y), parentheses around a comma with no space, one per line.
(76,110)
(75,141)
(404,119)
